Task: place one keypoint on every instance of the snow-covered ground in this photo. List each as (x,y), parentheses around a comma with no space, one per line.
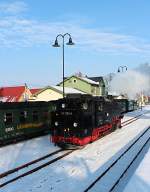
(12,156)
(76,171)
(140,181)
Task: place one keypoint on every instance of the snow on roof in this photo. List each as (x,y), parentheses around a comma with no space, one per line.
(68,90)
(7,99)
(97,79)
(89,81)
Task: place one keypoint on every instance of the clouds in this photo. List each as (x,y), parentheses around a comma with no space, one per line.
(13,7)
(18,31)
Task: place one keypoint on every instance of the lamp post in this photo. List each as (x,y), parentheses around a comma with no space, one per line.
(57,45)
(122,68)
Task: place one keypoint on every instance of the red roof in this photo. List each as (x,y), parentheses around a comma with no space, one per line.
(11,94)
(33,91)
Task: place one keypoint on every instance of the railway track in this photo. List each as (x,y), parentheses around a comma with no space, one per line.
(14,171)
(103,177)
(127,122)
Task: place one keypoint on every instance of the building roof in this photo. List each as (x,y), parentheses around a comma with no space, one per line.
(67,90)
(86,79)
(33,91)
(11,94)
(97,79)
(89,80)
(59,89)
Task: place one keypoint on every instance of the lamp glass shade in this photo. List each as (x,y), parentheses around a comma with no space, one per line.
(70,42)
(56,44)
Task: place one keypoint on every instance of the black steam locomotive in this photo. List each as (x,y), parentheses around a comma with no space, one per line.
(81,119)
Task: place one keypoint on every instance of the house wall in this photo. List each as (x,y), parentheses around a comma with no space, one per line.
(82,86)
(25,95)
(102,90)
(47,95)
(102,87)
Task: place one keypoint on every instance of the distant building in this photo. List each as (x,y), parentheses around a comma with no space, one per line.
(15,94)
(142,99)
(90,85)
(50,93)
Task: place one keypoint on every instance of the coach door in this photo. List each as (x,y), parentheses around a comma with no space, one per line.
(9,125)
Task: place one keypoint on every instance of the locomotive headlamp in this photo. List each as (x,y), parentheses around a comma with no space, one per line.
(107,114)
(63,105)
(56,123)
(85,106)
(75,124)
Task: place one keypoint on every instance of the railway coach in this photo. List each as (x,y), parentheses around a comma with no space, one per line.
(24,120)
(127,105)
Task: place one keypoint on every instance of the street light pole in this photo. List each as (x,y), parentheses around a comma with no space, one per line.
(63,69)
(63,46)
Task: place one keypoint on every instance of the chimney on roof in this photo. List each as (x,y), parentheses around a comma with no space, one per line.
(79,74)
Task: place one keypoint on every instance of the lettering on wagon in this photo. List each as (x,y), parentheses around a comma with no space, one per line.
(29,125)
(9,129)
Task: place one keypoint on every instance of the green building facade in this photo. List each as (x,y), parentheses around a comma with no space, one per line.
(85,84)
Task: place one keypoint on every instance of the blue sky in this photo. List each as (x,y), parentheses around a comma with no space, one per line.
(107,34)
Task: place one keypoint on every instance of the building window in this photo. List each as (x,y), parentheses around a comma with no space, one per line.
(8,118)
(93,90)
(74,80)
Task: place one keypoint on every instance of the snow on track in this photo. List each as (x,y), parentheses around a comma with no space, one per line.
(140,180)
(12,156)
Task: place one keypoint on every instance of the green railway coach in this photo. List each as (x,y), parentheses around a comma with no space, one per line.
(24,120)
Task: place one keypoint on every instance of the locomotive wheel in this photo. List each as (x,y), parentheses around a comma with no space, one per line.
(114,127)
(118,125)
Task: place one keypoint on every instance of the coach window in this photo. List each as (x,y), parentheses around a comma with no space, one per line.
(23,116)
(35,115)
(45,115)
(8,118)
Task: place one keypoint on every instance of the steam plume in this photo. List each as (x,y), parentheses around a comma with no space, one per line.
(132,82)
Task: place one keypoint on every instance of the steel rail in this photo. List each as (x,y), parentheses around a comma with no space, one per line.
(35,169)
(129,165)
(28,164)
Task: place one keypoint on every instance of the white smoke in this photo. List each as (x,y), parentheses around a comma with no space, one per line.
(132,82)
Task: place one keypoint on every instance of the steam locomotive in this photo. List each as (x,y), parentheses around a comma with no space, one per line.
(81,119)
